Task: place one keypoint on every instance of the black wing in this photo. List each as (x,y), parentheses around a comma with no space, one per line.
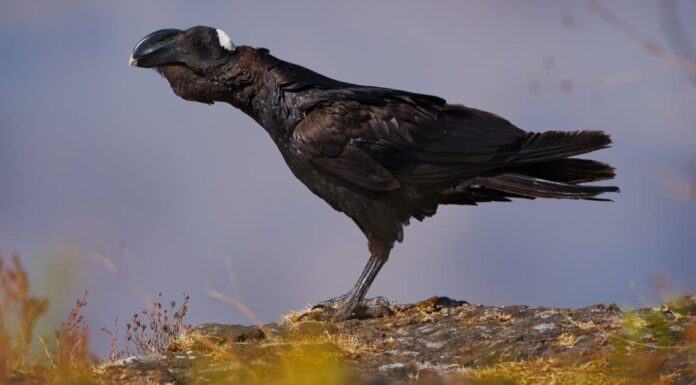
(380,138)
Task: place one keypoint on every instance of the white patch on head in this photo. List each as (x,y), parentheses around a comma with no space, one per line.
(224,40)
(132,62)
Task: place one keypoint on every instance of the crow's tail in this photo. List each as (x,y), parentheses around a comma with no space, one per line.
(544,169)
(545,146)
(531,187)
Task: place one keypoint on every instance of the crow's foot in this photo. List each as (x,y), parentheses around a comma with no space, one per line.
(341,309)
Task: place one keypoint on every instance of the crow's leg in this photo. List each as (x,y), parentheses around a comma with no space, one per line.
(356,295)
(353,303)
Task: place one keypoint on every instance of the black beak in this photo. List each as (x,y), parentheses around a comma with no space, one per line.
(156,49)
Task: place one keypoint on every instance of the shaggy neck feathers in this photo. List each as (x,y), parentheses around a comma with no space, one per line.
(255,91)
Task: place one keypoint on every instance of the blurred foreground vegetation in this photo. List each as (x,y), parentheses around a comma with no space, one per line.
(649,346)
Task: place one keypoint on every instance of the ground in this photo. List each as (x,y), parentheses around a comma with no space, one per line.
(436,341)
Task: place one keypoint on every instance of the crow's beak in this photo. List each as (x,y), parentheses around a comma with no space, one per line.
(156,49)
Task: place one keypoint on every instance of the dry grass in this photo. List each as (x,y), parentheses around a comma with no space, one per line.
(19,310)
(636,356)
(153,330)
(115,351)
(550,371)
(312,353)
(350,343)
(567,339)
(70,357)
(296,362)
(295,316)
(65,358)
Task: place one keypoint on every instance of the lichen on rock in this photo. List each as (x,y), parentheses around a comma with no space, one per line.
(440,341)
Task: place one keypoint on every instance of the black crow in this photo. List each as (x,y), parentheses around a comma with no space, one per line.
(379,155)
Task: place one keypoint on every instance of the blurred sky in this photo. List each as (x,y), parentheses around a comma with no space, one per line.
(100,158)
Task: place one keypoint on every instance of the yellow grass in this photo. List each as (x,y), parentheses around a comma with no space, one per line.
(550,371)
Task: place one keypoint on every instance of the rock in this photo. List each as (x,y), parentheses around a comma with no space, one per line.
(439,341)
(389,367)
(544,327)
(236,333)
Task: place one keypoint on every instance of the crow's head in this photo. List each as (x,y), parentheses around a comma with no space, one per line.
(191,60)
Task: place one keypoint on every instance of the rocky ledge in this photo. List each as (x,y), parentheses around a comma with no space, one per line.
(436,341)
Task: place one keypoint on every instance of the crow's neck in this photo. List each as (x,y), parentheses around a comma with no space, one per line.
(259,96)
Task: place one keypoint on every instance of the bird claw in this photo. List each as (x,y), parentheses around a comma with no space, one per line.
(339,309)
(332,303)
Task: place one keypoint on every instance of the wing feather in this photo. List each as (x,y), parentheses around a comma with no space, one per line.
(379,138)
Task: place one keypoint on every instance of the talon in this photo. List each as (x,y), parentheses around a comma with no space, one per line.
(341,309)
(331,303)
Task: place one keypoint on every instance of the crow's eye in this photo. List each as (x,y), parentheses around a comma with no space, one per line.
(197,43)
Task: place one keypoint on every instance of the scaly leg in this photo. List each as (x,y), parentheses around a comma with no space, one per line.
(353,303)
(356,295)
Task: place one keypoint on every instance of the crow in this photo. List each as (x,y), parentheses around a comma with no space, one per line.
(381,156)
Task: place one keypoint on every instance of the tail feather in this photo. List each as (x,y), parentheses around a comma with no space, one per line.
(542,168)
(570,170)
(551,145)
(531,187)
